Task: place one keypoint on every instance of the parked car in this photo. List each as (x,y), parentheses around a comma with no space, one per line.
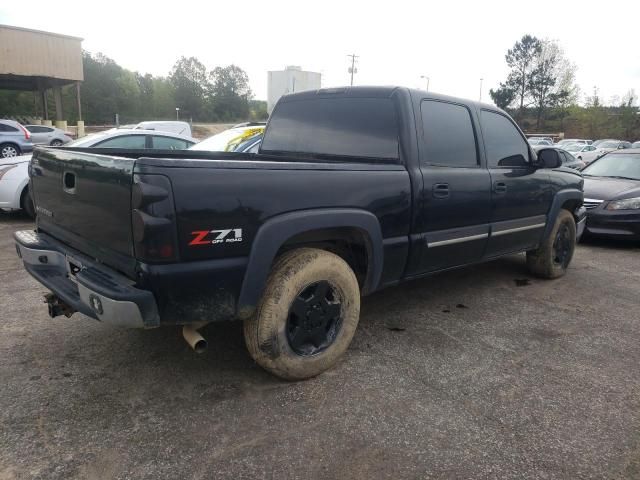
(611,145)
(635,144)
(598,142)
(14,185)
(231,140)
(43,135)
(569,141)
(539,141)
(135,139)
(14,139)
(353,190)
(612,195)
(565,157)
(585,153)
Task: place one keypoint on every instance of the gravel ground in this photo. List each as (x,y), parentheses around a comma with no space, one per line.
(484,372)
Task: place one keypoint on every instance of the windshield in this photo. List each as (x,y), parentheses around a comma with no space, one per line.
(575,147)
(609,145)
(615,165)
(228,140)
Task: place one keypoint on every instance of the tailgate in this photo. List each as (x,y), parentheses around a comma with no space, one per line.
(84,200)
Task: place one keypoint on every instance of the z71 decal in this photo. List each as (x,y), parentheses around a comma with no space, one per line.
(212,237)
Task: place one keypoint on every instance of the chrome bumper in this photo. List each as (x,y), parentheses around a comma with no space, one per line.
(85,285)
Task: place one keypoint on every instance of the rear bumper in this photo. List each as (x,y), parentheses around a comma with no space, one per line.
(95,290)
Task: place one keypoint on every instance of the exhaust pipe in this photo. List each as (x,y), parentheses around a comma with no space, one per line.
(193,338)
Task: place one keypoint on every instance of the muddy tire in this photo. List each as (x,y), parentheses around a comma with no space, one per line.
(27,204)
(307,316)
(554,255)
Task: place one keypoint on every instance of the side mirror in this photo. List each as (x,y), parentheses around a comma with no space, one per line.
(549,158)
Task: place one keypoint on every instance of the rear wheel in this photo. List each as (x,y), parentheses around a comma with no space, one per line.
(553,256)
(26,202)
(9,150)
(56,143)
(307,316)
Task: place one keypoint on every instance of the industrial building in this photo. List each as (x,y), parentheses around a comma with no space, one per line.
(38,61)
(290,80)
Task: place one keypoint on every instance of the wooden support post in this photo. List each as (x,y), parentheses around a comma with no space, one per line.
(57,97)
(78,100)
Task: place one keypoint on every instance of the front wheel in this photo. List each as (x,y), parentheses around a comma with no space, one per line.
(551,259)
(26,202)
(307,316)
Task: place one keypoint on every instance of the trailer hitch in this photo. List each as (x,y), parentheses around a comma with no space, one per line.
(57,306)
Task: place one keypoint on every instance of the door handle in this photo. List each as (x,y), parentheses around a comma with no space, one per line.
(500,187)
(441,190)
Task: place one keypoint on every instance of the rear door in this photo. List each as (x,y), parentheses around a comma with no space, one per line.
(41,135)
(455,209)
(520,193)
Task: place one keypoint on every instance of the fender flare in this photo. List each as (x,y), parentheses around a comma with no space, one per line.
(277,230)
(556,205)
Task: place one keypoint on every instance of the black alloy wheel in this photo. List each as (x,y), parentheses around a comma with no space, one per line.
(562,246)
(314,320)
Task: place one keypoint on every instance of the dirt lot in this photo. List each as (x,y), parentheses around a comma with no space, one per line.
(478,373)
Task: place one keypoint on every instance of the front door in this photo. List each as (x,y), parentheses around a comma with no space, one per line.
(520,193)
(453,216)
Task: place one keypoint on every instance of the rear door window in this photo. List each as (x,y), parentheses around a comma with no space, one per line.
(504,145)
(449,138)
(7,128)
(168,143)
(344,126)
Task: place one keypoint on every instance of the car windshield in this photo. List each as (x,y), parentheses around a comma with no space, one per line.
(616,166)
(574,147)
(609,145)
(228,140)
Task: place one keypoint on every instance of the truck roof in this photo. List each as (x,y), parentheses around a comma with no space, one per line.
(379,92)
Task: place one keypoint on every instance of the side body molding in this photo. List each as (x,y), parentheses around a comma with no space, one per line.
(556,205)
(277,230)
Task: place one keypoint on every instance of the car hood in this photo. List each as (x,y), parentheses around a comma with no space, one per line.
(15,160)
(603,188)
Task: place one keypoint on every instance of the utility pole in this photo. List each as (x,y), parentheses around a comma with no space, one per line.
(480,90)
(353,68)
(427,79)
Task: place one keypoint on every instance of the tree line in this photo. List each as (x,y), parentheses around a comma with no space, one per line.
(218,95)
(541,93)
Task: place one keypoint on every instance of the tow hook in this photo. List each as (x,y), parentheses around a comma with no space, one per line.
(57,307)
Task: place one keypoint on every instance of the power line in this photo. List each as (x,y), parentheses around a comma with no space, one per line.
(353,68)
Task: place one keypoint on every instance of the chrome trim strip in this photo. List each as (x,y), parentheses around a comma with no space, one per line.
(592,200)
(519,229)
(453,241)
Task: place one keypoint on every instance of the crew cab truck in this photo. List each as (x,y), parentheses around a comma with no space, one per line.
(353,190)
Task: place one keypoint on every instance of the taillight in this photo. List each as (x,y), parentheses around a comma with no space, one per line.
(27,133)
(153,219)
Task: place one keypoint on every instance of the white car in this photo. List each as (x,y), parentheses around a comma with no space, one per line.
(14,184)
(586,153)
(14,171)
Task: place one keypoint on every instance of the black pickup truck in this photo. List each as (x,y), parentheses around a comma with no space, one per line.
(353,190)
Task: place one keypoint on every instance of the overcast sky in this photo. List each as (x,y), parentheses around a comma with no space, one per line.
(454,43)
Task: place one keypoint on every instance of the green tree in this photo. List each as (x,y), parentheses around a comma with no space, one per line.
(190,82)
(521,60)
(229,93)
(503,96)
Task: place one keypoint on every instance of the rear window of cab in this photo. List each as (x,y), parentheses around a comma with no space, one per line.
(348,127)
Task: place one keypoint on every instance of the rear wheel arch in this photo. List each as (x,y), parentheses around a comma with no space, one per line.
(10,144)
(329,229)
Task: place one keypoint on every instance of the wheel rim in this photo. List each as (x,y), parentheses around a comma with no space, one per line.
(9,151)
(56,143)
(562,246)
(314,319)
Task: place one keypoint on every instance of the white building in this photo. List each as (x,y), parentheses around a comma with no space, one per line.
(290,80)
